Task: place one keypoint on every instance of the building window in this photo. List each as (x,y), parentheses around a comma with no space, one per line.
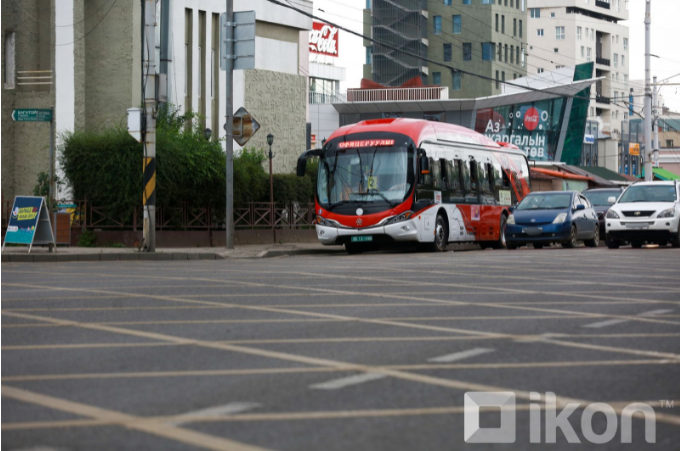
(447,52)
(436,78)
(589,54)
(498,81)
(212,74)
(500,52)
(368,4)
(467,51)
(503,24)
(669,143)
(369,55)
(506,53)
(467,2)
(487,51)
(520,28)
(539,32)
(539,70)
(556,50)
(496,22)
(455,83)
(517,53)
(437,24)
(487,2)
(578,33)
(200,72)
(187,63)
(625,80)
(559,33)
(9,75)
(503,76)
(623,60)
(616,59)
(512,54)
(514,27)
(552,14)
(592,34)
(625,43)
(617,39)
(447,2)
(457,24)
(535,13)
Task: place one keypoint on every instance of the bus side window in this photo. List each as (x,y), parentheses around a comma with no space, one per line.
(486,183)
(436,174)
(470,173)
(456,193)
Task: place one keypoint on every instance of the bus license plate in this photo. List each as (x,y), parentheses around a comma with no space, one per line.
(361,239)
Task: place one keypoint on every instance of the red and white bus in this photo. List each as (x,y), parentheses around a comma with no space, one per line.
(398,180)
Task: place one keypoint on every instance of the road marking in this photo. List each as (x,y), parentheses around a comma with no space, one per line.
(343,382)
(187,436)
(217,411)
(460,355)
(612,322)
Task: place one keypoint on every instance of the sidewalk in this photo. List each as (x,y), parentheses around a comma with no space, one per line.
(70,254)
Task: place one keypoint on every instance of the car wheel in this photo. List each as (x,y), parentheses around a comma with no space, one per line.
(538,246)
(612,244)
(636,244)
(440,235)
(502,243)
(675,242)
(596,239)
(571,242)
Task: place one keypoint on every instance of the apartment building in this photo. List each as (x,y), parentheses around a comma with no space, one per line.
(568,32)
(484,37)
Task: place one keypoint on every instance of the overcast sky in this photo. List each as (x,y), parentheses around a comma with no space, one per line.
(665,41)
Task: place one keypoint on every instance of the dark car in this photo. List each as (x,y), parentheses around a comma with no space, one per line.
(544,218)
(599,199)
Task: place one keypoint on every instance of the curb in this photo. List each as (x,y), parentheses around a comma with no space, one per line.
(122,256)
(292,252)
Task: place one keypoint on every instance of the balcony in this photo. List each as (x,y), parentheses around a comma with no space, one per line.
(603,61)
(398,94)
(320,98)
(602,99)
(602,4)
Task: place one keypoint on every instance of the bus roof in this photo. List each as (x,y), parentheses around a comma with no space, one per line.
(420,130)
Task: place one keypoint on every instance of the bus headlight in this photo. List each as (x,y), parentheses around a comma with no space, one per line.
(511,220)
(560,218)
(327,222)
(401,217)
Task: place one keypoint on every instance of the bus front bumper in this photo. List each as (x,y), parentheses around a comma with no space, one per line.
(400,231)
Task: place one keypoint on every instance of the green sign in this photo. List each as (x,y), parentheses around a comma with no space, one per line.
(32,115)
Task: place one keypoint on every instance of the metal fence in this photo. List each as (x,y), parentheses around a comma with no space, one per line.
(254,215)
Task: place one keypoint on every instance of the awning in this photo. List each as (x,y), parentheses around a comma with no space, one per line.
(665,175)
(562,175)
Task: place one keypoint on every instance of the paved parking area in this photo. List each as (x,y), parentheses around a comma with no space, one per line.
(337,352)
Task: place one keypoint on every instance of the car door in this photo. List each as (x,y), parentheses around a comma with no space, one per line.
(579,217)
(590,216)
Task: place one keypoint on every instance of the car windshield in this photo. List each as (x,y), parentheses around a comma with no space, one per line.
(601,198)
(649,193)
(558,201)
(365,175)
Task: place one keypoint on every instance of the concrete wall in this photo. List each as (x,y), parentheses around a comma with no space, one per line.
(278,101)
(25,145)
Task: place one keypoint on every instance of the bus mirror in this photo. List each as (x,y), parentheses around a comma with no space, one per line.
(424,165)
(301,166)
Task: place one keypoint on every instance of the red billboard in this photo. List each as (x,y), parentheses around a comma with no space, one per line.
(323,39)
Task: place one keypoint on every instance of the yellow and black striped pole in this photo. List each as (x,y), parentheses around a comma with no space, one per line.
(149,181)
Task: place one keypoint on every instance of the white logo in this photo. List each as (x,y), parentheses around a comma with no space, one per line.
(360,212)
(554,420)
(359,222)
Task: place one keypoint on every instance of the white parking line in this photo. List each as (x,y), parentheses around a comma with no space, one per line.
(460,355)
(611,322)
(227,409)
(347,381)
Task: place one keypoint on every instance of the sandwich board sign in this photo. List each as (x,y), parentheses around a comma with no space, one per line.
(29,223)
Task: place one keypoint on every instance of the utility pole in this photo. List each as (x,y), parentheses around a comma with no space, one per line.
(51,190)
(648,93)
(655,123)
(229,126)
(149,195)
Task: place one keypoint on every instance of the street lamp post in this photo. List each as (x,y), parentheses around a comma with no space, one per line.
(207,133)
(270,140)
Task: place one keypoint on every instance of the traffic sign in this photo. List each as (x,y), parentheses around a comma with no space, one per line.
(244,40)
(32,115)
(245,126)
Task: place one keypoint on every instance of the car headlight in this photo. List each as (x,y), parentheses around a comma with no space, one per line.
(667,213)
(560,218)
(511,220)
(401,217)
(611,214)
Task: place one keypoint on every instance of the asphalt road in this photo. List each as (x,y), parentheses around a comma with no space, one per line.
(367,352)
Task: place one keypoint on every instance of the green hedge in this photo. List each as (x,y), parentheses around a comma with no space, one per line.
(105,167)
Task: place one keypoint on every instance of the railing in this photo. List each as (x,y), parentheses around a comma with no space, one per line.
(254,215)
(603,99)
(602,4)
(603,61)
(378,95)
(319,98)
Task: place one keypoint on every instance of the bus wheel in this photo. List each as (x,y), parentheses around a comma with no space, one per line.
(440,235)
(502,243)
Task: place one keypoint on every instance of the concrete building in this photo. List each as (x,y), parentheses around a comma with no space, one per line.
(84,58)
(487,38)
(568,32)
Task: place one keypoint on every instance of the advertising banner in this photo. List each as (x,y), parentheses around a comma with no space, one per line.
(29,222)
(323,39)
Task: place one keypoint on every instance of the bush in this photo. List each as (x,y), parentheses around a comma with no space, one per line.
(290,188)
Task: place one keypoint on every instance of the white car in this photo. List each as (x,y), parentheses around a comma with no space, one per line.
(645,212)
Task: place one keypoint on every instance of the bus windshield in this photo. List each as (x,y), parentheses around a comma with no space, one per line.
(381,177)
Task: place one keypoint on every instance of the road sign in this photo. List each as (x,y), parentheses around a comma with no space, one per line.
(244,40)
(245,126)
(32,115)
